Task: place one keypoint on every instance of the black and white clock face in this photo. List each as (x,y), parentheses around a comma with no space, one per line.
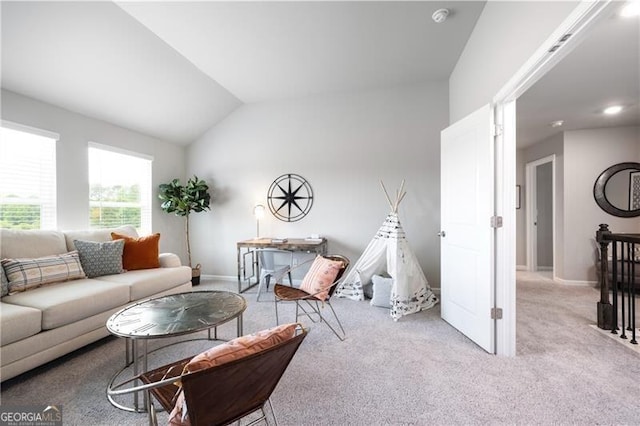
(290,197)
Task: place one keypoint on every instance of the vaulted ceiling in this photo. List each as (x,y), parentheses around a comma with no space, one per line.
(174,69)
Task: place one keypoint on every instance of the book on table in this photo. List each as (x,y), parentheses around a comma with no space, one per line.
(313,240)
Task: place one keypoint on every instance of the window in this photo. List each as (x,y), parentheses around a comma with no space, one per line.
(119,188)
(27,177)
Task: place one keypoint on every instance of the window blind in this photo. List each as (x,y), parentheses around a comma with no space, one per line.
(27,177)
(119,188)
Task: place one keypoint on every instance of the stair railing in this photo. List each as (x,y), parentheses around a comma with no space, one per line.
(620,313)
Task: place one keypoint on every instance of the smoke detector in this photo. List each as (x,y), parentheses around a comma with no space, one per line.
(440,15)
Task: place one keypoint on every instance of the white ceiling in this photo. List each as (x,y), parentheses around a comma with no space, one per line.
(174,69)
(603,70)
(95,59)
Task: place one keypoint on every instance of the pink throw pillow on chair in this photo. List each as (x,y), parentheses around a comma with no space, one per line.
(321,276)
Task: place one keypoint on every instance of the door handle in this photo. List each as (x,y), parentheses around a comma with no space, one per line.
(442,234)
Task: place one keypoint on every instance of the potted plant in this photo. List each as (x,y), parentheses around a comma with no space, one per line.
(182,200)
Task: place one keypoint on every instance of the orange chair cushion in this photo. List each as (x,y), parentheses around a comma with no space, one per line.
(139,253)
(321,276)
(227,352)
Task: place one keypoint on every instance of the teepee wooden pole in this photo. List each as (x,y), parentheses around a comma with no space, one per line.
(399,196)
(400,199)
(386,194)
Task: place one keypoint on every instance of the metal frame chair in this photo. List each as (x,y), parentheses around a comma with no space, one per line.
(222,394)
(285,293)
(269,268)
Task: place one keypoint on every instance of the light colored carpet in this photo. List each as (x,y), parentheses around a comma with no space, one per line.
(416,371)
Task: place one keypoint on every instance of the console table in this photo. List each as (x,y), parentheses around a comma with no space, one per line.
(248,267)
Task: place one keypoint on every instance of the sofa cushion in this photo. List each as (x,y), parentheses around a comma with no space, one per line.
(100,258)
(31,244)
(147,282)
(64,303)
(18,322)
(139,253)
(98,235)
(25,274)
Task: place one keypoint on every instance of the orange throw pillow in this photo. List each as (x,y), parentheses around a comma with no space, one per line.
(321,276)
(139,253)
(227,352)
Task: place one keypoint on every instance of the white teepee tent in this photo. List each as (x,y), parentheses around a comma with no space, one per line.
(389,251)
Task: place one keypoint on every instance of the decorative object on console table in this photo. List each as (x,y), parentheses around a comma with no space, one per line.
(182,200)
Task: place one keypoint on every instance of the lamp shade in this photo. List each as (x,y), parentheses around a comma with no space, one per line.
(258,211)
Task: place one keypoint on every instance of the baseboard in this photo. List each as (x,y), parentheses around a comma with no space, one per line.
(575,282)
(521,267)
(219,277)
(545,268)
(229,278)
(436,290)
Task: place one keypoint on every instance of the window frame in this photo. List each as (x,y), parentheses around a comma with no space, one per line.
(145,207)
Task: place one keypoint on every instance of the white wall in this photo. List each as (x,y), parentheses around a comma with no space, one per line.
(581,156)
(75,131)
(587,154)
(505,36)
(343,145)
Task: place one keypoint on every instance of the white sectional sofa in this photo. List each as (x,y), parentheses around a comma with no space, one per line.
(44,323)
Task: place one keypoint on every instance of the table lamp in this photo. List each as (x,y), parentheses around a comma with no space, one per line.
(258,212)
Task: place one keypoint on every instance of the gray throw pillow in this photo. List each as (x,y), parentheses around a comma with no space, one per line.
(381,291)
(100,259)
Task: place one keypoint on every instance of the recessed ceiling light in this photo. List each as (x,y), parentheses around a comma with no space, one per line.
(440,15)
(556,123)
(612,110)
(632,8)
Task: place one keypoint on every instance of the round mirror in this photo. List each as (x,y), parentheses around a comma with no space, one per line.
(617,190)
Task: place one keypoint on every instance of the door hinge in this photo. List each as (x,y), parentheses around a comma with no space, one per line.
(496,221)
(497,130)
(496,313)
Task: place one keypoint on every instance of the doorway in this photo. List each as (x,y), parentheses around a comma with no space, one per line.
(540,214)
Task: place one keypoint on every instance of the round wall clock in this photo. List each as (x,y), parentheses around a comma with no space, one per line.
(290,197)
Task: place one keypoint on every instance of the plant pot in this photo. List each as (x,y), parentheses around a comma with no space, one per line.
(195,275)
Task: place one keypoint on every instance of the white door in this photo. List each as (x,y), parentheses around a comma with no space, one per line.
(467,236)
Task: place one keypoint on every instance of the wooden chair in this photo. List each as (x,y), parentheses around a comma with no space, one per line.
(222,394)
(285,293)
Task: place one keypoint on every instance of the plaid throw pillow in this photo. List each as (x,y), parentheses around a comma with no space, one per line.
(25,274)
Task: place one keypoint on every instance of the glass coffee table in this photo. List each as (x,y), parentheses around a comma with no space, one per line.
(170,316)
